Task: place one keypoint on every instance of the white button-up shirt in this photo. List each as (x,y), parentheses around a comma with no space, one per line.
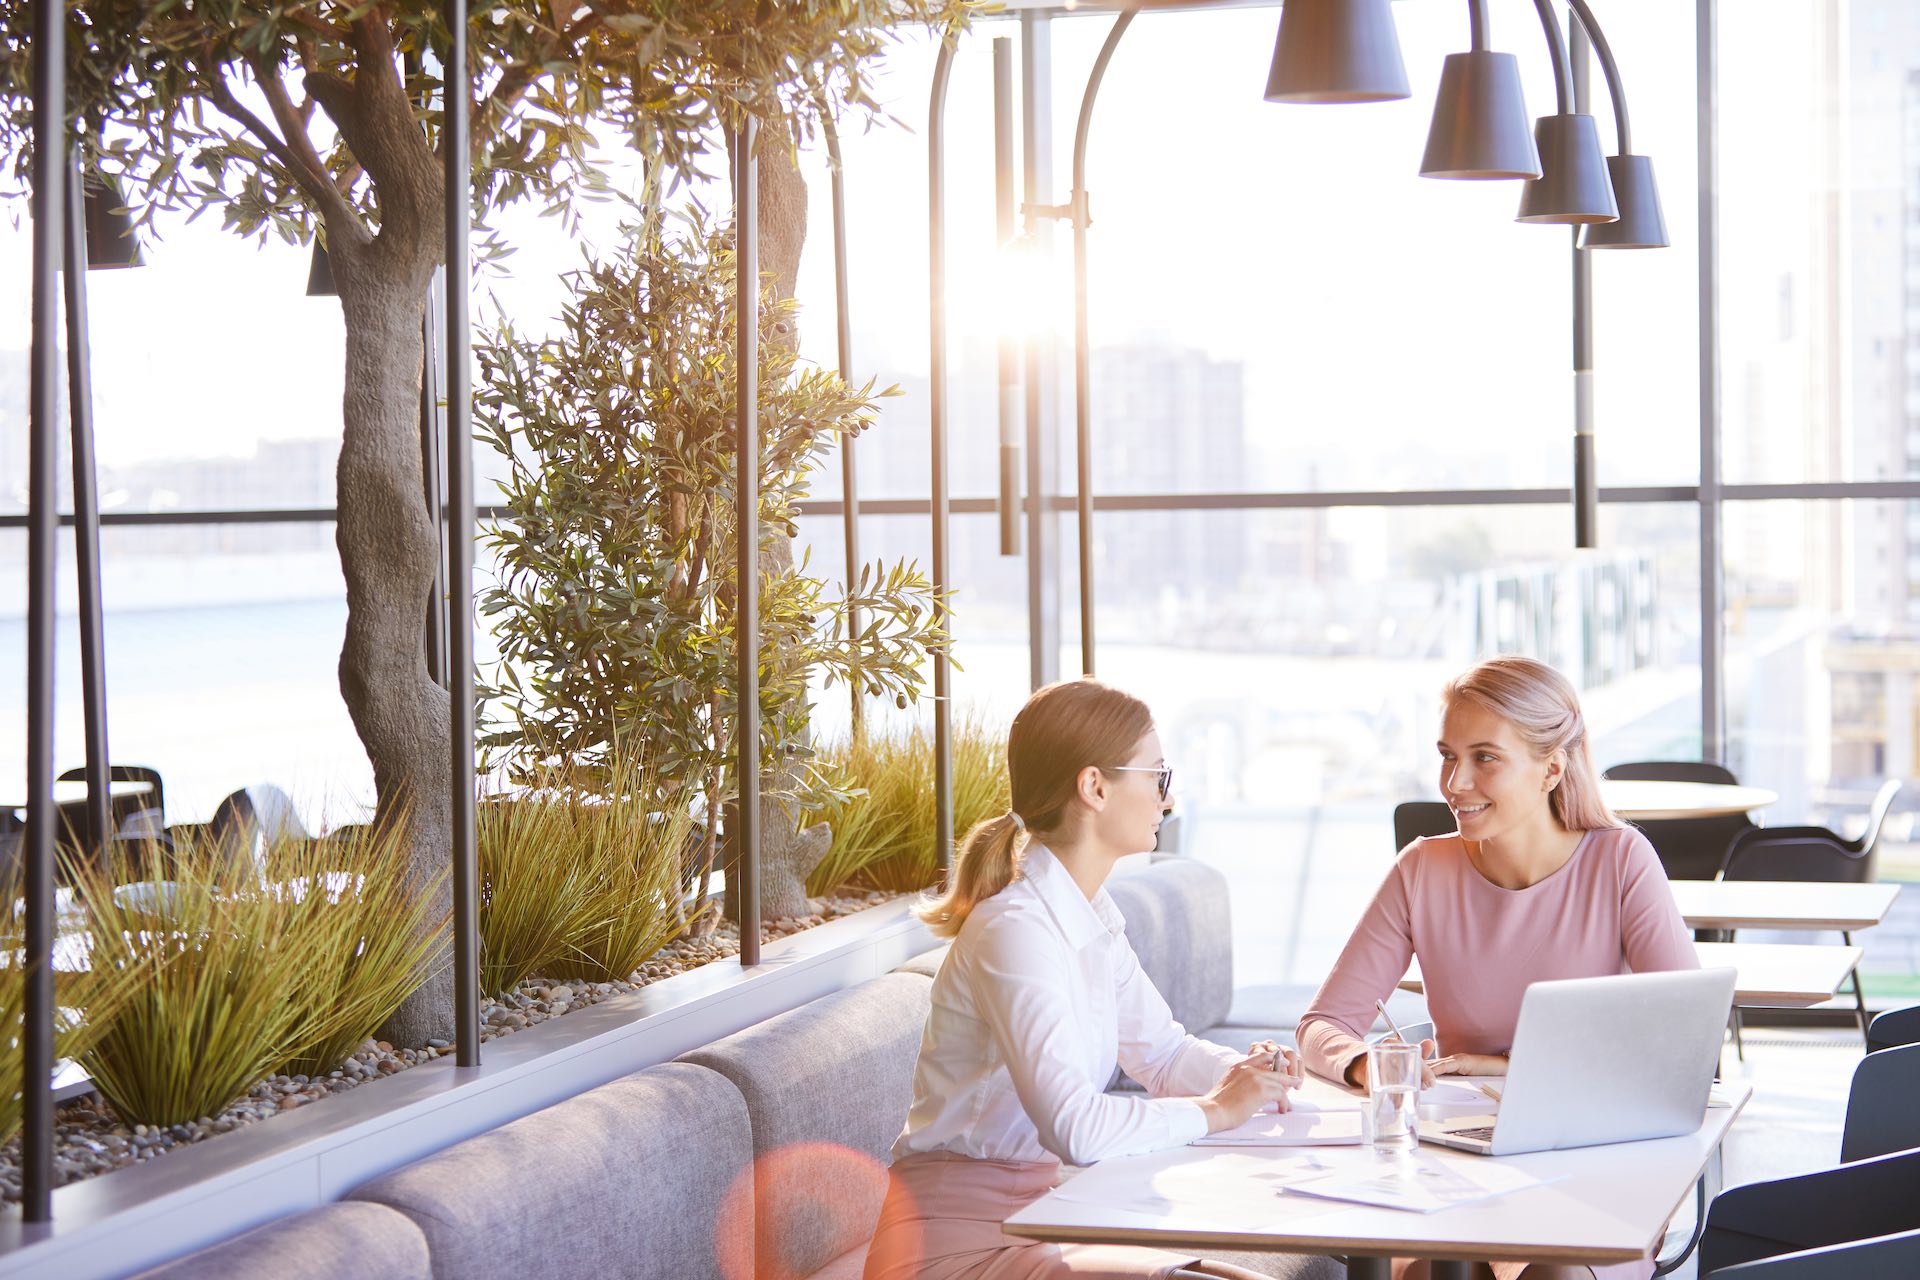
(1033,1006)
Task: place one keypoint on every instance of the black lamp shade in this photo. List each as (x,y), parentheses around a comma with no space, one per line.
(1573,187)
(1480,120)
(111,240)
(1337,51)
(1640,225)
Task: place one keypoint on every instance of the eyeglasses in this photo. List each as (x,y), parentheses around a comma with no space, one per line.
(1164,770)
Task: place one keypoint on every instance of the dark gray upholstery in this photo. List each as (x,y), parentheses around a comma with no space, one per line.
(827,1088)
(334,1242)
(1178,920)
(641,1177)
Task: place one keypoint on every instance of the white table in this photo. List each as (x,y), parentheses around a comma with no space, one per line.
(1774,975)
(1643,801)
(1782,904)
(1602,1205)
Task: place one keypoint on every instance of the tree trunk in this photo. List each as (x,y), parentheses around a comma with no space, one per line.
(388,552)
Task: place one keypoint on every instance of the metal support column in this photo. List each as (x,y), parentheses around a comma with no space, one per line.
(457,96)
(1004,230)
(843,339)
(937,370)
(1082,339)
(50,160)
(746,520)
(1713,691)
(1586,483)
(86,517)
(1042,416)
(433,446)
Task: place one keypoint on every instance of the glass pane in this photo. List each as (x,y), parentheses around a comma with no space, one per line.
(222,645)
(1294,659)
(1817,180)
(1822,655)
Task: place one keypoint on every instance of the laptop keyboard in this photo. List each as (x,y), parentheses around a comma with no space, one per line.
(1484,1134)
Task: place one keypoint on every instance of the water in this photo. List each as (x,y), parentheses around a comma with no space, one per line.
(1392,1124)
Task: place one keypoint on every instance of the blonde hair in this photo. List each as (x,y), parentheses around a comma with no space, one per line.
(1541,704)
(1062,729)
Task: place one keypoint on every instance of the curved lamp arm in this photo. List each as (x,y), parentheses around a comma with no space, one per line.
(1082,351)
(1610,69)
(1557,52)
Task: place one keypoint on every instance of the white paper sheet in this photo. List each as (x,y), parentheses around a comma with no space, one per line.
(1304,1127)
(1418,1183)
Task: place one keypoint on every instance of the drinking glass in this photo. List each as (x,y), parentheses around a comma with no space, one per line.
(1393,1085)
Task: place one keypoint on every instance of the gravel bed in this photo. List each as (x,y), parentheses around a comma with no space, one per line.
(90,1139)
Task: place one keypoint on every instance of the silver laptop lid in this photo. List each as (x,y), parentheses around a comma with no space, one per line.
(1613,1059)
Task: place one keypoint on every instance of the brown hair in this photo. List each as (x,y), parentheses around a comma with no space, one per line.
(1061,730)
(1540,703)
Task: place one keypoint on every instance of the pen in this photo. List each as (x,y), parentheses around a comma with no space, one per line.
(1381,1005)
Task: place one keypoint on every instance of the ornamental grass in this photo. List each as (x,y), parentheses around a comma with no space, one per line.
(225,977)
(883,830)
(580,877)
(84,1003)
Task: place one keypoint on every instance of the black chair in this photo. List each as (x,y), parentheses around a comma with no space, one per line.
(1894,1255)
(1814,1211)
(1883,1106)
(1689,848)
(1415,818)
(1894,1027)
(1815,854)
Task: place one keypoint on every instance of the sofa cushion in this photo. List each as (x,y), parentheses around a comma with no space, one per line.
(927,963)
(1179,923)
(1282,1266)
(827,1088)
(345,1241)
(1284,1004)
(644,1176)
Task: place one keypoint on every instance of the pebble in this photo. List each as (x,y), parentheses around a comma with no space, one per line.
(89,1139)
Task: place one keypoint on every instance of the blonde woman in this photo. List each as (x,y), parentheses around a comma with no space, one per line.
(1038,999)
(1540,881)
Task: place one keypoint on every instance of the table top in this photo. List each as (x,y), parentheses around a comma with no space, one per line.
(1777,975)
(1781,904)
(1598,1204)
(1643,800)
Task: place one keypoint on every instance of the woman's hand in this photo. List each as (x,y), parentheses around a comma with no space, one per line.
(1471,1064)
(1357,1070)
(1264,1077)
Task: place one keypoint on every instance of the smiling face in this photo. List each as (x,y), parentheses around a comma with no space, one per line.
(1493,783)
(1129,817)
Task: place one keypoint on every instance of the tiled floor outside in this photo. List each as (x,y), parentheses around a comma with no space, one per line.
(1301,877)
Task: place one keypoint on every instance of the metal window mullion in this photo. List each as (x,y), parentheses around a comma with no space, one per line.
(1713,693)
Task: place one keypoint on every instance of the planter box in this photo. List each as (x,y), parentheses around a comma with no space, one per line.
(134,1218)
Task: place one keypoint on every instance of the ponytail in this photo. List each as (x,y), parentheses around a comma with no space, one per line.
(988,863)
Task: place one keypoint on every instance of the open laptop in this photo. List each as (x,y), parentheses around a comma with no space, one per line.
(1599,1060)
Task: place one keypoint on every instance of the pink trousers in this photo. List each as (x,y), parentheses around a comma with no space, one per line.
(941,1221)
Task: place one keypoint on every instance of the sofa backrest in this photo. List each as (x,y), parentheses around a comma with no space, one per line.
(1179,921)
(646,1176)
(344,1241)
(827,1088)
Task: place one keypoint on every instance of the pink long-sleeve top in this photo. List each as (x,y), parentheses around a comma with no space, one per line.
(1607,910)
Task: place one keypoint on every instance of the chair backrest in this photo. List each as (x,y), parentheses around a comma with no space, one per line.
(1895,1255)
(1795,853)
(1869,841)
(1893,1028)
(1179,916)
(1415,818)
(1670,771)
(1883,1104)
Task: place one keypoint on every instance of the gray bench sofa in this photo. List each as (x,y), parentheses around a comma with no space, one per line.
(760,1155)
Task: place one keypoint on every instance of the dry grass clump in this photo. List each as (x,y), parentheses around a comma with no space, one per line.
(220,979)
(883,831)
(579,878)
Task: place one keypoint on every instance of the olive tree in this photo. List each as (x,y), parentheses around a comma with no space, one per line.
(305,117)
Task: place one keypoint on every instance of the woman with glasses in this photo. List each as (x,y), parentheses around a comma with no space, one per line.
(1037,1000)
(1540,882)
